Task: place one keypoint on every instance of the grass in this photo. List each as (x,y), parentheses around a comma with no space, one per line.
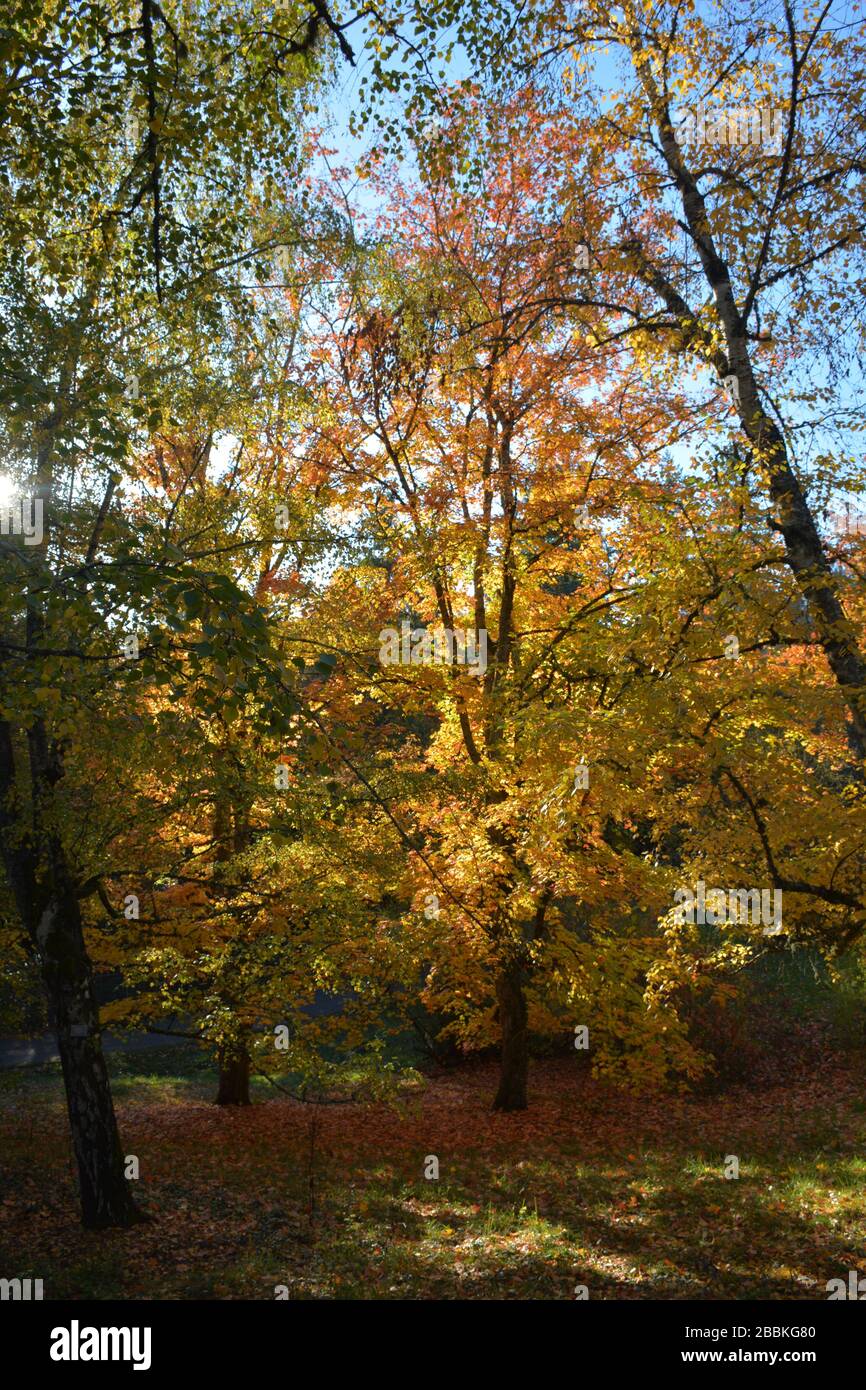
(624,1195)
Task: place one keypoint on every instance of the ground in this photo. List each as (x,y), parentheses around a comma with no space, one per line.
(590,1186)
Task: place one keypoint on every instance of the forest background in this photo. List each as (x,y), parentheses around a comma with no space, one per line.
(444,567)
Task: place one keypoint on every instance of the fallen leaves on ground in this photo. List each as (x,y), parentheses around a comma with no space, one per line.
(589,1186)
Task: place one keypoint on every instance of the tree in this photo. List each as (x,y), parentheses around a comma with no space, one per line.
(735,234)
(485,449)
(133,140)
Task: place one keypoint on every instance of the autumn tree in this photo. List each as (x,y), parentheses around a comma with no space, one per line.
(492,455)
(735,231)
(240,858)
(137,145)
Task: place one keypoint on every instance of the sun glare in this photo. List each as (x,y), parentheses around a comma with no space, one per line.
(7,490)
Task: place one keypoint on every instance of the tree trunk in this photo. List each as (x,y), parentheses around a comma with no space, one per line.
(234,1063)
(35,860)
(234,1088)
(514,1067)
(49,911)
(804,548)
(106,1198)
